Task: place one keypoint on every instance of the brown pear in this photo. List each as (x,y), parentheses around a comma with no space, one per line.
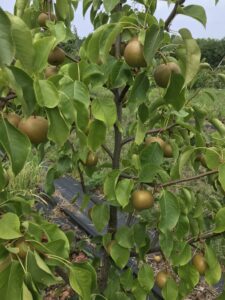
(163,73)
(134,53)
(56,57)
(142,199)
(43,17)
(50,71)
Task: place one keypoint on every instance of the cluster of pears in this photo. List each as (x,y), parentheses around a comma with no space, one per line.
(134,57)
(34,127)
(57,55)
(166,147)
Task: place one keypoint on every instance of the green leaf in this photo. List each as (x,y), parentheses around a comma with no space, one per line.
(104,110)
(62,8)
(148,172)
(9,227)
(146,277)
(120,255)
(120,74)
(189,279)
(11,281)
(222,175)
(195,11)
(124,237)
(192,57)
(138,291)
(42,49)
(100,216)
(2,177)
(166,243)
(140,133)
(110,185)
(26,293)
(184,250)
(25,83)
(16,145)
(126,279)
(169,211)
(170,290)
(82,279)
(151,154)
(58,130)
(175,93)
(184,158)
(220,221)
(153,38)
(110,4)
(7,51)
(77,91)
(82,115)
(213,272)
(138,93)
(212,157)
(22,38)
(46,93)
(96,135)
(123,190)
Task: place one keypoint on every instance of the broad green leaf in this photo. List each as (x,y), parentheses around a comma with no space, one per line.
(151,154)
(213,272)
(107,38)
(110,4)
(58,130)
(124,237)
(9,226)
(166,243)
(25,83)
(195,11)
(58,30)
(183,226)
(140,133)
(26,293)
(170,290)
(175,93)
(62,8)
(146,277)
(189,279)
(138,291)
(192,56)
(120,74)
(11,281)
(185,254)
(212,157)
(82,279)
(126,279)
(153,38)
(93,46)
(220,221)
(46,93)
(6,42)
(20,7)
(100,216)
(148,172)
(169,211)
(96,135)
(22,38)
(120,255)
(77,91)
(42,49)
(184,158)
(123,190)
(16,145)
(222,175)
(104,110)
(82,115)
(110,185)
(138,93)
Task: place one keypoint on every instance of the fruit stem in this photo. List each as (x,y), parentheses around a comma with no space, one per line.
(164,58)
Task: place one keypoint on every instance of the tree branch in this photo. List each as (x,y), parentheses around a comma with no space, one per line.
(204,236)
(4,100)
(72,58)
(152,131)
(107,150)
(173,14)
(174,182)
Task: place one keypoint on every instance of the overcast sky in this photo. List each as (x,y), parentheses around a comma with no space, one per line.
(215,18)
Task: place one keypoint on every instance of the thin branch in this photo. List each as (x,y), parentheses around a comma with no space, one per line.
(173,14)
(72,58)
(152,131)
(204,236)
(4,100)
(178,181)
(124,91)
(107,150)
